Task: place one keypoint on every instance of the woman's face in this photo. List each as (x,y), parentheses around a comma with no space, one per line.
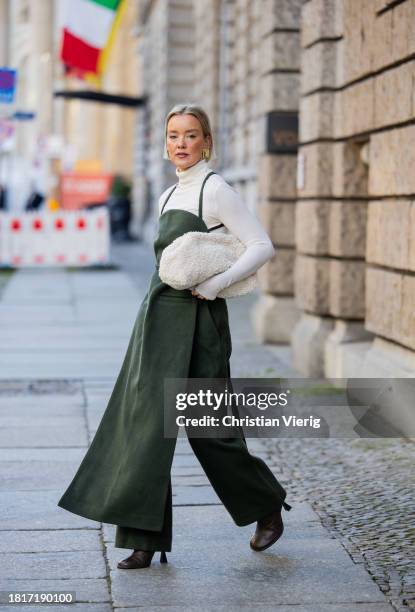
(185,141)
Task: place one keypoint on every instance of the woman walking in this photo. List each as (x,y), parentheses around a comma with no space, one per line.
(124,478)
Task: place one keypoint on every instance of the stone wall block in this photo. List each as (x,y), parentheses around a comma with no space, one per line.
(393,95)
(316,116)
(351,41)
(279,14)
(319,20)
(379,313)
(280,50)
(309,338)
(312,226)
(382,166)
(311,281)
(276,276)
(338,102)
(277,176)
(360,20)
(318,66)
(339,67)
(350,172)
(357,108)
(347,228)
(403,30)
(318,169)
(279,92)
(338,22)
(278,218)
(390,305)
(347,289)
(368,18)
(392,162)
(381,42)
(390,233)
(274,319)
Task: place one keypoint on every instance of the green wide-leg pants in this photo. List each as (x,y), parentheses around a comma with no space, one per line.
(243,482)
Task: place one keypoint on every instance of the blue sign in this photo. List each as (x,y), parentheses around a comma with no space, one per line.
(23,115)
(7,85)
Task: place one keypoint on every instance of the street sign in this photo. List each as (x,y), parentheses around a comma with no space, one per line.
(7,85)
(23,115)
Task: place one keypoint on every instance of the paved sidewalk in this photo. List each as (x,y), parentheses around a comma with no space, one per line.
(62,339)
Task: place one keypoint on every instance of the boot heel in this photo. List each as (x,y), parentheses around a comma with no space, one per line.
(163,558)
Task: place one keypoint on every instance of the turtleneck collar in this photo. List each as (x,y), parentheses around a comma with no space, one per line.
(192,174)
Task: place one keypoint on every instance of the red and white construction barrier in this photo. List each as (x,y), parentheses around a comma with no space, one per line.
(58,238)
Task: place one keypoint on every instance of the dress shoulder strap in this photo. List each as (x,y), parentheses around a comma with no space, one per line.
(167,199)
(201,192)
(210,229)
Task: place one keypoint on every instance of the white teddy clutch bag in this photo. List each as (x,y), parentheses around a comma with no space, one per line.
(196,256)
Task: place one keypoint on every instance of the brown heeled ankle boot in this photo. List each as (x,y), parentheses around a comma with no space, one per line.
(268,530)
(140,559)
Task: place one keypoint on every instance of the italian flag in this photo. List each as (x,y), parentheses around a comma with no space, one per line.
(87,30)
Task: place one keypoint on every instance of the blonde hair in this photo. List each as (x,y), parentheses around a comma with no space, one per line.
(200,114)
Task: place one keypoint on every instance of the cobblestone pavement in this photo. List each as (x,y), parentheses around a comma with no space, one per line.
(363,490)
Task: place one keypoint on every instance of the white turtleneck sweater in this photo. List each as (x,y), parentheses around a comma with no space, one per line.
(221,204)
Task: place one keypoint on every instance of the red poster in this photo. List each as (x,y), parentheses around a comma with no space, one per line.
(79,189)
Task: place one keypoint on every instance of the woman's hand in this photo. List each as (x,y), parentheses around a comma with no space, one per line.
(209,289)
(196,294)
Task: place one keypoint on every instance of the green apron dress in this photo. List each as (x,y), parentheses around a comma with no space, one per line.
(124,478)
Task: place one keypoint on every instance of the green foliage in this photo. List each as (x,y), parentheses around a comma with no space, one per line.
(120,187)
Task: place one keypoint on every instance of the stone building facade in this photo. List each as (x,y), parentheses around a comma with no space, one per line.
(355,216)
(105,132)
(337,203)
(62,131)
(26,45)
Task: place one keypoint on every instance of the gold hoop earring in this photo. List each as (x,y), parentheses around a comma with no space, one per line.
(205,154)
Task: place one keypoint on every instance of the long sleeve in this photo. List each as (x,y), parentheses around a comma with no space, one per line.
(236,216)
